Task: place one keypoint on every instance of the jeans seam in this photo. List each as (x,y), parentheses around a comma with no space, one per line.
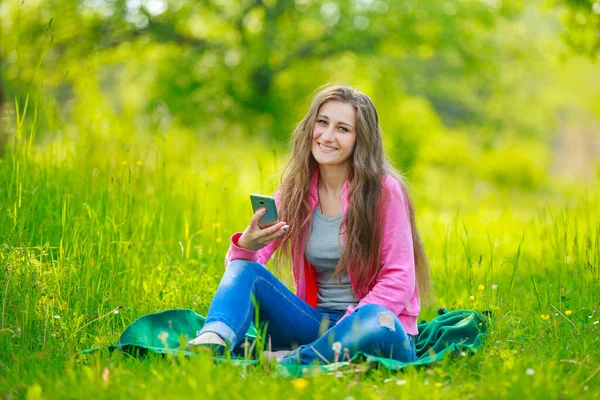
(259,278)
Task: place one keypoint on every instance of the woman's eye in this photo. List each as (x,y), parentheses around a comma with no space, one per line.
(322,122)
(343,129)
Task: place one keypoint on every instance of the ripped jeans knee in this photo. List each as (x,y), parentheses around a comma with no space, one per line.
(386,320)
(371,329)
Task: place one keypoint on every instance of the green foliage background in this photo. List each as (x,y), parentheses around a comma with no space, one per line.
(486,76)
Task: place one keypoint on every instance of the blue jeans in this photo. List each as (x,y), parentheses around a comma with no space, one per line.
(291,322)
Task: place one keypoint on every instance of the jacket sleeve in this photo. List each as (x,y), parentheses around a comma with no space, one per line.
(235,252)
(396,281)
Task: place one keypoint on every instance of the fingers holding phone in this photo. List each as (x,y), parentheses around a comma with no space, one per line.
(255,238)
(264,226)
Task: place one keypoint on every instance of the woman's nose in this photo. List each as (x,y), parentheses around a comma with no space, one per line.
(328,134)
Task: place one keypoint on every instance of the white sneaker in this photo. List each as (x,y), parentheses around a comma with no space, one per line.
(278,355)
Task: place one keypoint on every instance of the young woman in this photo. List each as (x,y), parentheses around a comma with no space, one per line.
(347,224)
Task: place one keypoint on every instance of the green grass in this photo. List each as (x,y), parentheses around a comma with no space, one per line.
(97,230)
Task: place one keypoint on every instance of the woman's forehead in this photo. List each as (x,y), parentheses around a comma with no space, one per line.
(338,112)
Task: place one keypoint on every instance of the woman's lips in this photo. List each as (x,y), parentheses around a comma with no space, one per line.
(326,149)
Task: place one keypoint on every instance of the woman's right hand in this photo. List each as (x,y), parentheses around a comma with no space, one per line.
(255,238)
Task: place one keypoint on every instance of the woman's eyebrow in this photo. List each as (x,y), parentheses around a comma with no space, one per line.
(343,123)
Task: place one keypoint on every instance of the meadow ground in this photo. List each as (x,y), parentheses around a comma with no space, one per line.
(97,231)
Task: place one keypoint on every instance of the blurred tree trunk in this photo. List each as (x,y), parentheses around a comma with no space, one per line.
(577,149)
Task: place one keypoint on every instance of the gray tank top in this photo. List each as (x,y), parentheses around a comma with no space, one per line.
(323,251)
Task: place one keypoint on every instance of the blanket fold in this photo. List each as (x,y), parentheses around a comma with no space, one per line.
(164,332)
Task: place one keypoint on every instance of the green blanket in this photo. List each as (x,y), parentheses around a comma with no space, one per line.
(164,332)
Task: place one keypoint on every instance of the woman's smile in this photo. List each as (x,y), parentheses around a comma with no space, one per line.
(326,149)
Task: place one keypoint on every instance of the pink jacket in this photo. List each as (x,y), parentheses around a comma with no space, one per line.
(395,287)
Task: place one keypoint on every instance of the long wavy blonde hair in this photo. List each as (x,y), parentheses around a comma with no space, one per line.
(369,164)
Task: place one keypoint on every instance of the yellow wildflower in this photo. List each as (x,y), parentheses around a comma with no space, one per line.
(139,163)
(481,288)
(216,225)
(472,298)
(300,383)
(123,163)
(218,240)
(568,312)
(545,317)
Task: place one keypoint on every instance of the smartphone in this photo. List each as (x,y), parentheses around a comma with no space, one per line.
(261,201)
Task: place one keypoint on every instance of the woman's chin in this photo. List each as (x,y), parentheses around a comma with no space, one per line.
(325,161)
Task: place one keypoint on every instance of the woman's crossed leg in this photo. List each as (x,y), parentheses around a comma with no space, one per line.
(291,322)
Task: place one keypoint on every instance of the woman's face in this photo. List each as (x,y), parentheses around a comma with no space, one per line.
(334,133)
